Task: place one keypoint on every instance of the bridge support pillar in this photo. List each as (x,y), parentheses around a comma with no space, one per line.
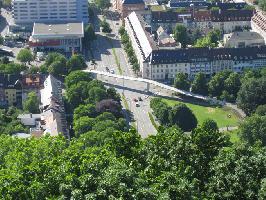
(148,87)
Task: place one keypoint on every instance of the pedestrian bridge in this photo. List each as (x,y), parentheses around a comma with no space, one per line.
(154,83)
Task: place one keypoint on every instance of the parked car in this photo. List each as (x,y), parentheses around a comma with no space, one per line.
(107,69)
(134,99)
(137,104)
(40,56)
(112,71)
(140,99)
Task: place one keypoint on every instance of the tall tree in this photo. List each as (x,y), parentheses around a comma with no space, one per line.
(77,76)
(25,56)
(180,35)
(181,81)
(89,34)
(232,84)
(31,104)
(199,84)
(102,4)
(76,62)
(253,129)
(261,110)
(216,84)
(252,94)
(183,117)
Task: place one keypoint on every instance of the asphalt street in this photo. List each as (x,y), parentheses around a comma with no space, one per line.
(103,53)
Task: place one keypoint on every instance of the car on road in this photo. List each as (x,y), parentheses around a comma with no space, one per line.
(139,98)
(107,69)
(137,104)
(112,71)
(40,56)
(134,99)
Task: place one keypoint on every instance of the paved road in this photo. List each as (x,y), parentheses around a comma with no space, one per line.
(133,89)
(140,116)
(104,57)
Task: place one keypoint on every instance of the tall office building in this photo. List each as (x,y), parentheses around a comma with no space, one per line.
(50,11)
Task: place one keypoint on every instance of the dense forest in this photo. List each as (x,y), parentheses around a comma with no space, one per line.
(106,159)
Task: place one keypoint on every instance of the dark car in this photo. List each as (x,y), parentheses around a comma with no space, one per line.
(140,99)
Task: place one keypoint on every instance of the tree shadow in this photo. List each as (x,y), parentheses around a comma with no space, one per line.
(112,15)
(3,23)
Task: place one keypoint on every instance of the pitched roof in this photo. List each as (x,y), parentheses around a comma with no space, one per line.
(133,2)
(206,54)
(10,80)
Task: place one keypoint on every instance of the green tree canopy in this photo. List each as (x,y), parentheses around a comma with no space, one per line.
(253,129)
(252,94)
(25,56)
(89,34)
(180,35)
(76,62)
(102,4)
(105,26)
(199,84)
(77,76)
(261,110)
(181,81)
(31,104)
(183,117)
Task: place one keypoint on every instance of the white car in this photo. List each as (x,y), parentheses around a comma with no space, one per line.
(112,71)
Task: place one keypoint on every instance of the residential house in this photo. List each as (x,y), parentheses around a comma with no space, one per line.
(125,7)
(243,39)
(10,90)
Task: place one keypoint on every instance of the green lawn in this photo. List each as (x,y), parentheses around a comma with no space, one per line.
(220,115)
(234,137)
(157,8)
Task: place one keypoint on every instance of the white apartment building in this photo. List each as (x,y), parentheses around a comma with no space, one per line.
(64,36)
(159,63)
(30,11)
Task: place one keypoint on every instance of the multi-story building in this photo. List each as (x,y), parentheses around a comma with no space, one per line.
(10,90)
(125,7)
(66,37)
(243,39)
(30,11)
(159,63)
(224,20)
(258,23)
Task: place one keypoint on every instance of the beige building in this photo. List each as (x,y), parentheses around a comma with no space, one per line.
(243,39)
(258,23)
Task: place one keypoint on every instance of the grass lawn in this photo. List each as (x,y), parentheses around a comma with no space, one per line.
(157,8)
(234,137)
(220,115)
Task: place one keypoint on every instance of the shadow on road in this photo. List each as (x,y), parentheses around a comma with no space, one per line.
(3,23)
(112,15)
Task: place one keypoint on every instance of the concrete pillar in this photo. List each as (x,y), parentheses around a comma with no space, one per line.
(148,87)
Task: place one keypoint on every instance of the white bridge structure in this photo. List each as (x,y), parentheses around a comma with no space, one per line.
(155,83)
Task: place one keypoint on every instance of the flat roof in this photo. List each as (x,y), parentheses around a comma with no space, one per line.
(58,29)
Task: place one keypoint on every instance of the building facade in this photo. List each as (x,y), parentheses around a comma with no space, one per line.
(30,11)
(258,23)
(125,7)
(66,37)
(10,90)
(159,63)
